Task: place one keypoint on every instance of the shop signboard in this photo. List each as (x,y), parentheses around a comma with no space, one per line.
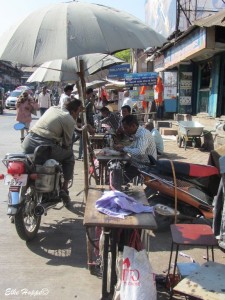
(141,79)
(185,49)
(118,71)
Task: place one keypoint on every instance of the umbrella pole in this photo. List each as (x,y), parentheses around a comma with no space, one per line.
(84,133)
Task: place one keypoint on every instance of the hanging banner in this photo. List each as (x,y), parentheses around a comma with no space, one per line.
(140,79)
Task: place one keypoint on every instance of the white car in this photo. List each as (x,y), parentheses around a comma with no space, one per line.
(10,102)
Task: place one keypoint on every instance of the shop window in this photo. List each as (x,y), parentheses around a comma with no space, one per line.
(219,34)
(205,70)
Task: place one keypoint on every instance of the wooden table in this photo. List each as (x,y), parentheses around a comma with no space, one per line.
(206,283)
(110,227)
(103,161)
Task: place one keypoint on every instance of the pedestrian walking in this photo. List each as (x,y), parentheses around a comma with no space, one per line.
(24,106)
(66,96)
(44,100)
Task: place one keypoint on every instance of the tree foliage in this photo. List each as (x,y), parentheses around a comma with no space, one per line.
(124,55)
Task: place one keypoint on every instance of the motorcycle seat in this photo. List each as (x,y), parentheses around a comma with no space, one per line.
(187,169)
(19,155)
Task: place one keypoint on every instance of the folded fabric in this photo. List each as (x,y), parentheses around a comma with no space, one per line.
(117,204)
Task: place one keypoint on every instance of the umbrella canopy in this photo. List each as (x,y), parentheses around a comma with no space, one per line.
(66,70)
(115,84)
(93,84)
(100,75)
(65,30)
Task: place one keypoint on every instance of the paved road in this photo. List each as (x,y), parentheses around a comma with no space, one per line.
(55,264)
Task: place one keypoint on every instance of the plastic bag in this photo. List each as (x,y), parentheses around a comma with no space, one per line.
(119,264)
(138,279)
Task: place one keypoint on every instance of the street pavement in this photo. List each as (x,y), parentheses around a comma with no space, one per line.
(54,265)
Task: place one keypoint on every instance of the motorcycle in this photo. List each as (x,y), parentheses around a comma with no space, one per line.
(35,186)
(180,190)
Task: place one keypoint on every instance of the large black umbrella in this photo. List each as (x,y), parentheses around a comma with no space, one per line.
(65,30)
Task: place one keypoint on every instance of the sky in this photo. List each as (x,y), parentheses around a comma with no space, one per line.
(13,10)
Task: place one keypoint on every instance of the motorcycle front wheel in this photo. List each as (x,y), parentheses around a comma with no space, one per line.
(26,222)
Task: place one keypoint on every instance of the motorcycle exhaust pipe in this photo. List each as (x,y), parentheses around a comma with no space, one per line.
(41,209)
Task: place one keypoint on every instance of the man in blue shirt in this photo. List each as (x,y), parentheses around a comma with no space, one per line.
(157,137)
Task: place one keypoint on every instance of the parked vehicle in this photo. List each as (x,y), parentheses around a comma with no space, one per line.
(189,131)
(2,100)
(14,95)
(25,88)
(191,186)
(35,183)
(12,98)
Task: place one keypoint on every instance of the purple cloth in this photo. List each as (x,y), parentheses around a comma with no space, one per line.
(117,204)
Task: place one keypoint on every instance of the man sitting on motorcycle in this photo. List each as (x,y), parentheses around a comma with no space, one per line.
(142,146)
(55,128)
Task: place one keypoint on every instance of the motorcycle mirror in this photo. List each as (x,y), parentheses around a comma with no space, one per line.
(19,126)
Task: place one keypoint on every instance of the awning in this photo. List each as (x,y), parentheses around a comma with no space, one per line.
(217,19)
(115,84)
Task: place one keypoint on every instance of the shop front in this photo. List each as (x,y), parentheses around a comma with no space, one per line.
(196,61)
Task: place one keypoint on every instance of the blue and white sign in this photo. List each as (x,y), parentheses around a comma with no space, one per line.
(118,71)
(140,79)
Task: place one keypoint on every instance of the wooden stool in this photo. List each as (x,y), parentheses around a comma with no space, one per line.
(205,283)
(185,269)
(190,235)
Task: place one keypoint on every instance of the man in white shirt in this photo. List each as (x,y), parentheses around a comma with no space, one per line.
(66,96)
(44,101)
(127,100)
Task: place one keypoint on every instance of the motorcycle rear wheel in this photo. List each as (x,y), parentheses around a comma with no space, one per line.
(26,222)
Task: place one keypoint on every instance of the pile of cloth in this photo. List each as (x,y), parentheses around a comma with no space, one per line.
(117,204)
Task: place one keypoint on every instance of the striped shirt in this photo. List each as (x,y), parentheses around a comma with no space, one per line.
(143,145)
